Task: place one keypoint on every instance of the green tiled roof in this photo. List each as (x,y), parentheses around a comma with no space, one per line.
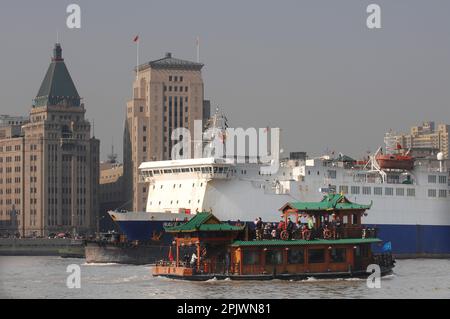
(57,86)
(349,241)
(199,223)
(330,202)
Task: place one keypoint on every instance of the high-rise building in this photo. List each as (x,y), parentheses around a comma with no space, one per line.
(167,94)
(424,141)
(50,170)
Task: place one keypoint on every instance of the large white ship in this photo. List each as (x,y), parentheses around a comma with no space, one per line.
(411,208)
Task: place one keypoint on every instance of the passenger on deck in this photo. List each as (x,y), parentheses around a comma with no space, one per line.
(259,228)
(193,260)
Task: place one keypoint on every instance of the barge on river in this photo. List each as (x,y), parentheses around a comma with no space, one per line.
(326,240)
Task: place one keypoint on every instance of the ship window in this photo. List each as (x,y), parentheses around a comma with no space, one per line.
(251,257)
(366,190)
(355,189)
(443,179)
(296,256)
(161,186)
(411,192)
(400,192)
(389,191)
(274,257)
(378,190)
(343,189)
(442,193)
(316,256)
(432,179)
(431,193)
(332,174)
(337,255)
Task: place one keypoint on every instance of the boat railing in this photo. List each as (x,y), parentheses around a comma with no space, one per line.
(206,266)
(344,232)
(383,259)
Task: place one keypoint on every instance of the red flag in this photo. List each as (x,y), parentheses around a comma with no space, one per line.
(136,39)
(170,254)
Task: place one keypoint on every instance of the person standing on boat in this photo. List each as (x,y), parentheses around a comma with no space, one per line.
(193,260)
(259,228)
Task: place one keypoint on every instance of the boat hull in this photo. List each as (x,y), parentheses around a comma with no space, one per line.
(264,277)
(142,254)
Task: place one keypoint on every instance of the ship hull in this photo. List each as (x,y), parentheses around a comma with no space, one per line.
(408,241)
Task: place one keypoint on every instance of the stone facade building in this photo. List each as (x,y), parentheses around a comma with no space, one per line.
(50,172)
(167,94)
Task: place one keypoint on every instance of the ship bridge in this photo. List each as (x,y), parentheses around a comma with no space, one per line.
(205,168)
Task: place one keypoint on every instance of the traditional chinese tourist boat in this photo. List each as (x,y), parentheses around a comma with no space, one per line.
(326,240)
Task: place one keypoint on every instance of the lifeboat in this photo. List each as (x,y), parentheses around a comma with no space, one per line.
(395,161)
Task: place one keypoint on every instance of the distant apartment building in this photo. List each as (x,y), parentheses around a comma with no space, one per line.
(167,94)
(111,192)
(49,168)
(425,140)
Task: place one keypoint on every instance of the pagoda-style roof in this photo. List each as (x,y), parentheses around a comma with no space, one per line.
(330,202)
(57,87)
(346,241)
(169,62)
(203,222)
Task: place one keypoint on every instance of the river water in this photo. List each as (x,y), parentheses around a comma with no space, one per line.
(45,277)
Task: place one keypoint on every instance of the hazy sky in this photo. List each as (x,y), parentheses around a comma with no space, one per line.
(310,67)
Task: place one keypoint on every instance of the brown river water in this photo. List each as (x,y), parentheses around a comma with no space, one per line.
(45,277)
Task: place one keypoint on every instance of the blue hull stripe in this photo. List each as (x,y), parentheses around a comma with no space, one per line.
(406,239)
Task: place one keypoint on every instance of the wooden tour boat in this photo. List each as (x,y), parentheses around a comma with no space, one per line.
(327,240)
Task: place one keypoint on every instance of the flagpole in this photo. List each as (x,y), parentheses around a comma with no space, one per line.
(198,49)
(137,59)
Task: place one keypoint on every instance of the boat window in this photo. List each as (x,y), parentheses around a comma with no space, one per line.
(316,256)
(443,179)
(362,251)
(251,257)
(354,219)
(156,172)
(274,257)
(296,256)
(185,170)
(432,179)
(167,171)
(411,192)
(216,169)
(337,255)
(389,191)
(442,193)
(400,192)
(197,169)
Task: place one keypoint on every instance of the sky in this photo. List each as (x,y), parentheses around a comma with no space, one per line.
(312,68)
